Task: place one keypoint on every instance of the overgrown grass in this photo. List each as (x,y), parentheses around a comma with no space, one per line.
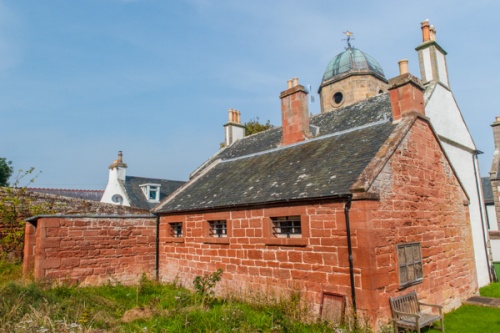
(26,306)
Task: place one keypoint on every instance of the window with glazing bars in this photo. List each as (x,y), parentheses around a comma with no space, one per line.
(286,226)
(176,229)
(410,264)
(217,228)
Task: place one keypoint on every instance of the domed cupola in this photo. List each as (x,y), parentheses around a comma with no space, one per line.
(350,77)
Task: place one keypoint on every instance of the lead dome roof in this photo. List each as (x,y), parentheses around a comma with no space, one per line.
(352,60)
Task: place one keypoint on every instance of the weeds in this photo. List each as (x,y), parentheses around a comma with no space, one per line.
(205,285)
(147,307)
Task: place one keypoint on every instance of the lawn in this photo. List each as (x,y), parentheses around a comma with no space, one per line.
(470,318)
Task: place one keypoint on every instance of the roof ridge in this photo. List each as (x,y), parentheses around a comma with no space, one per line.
(322,137)
(62,189)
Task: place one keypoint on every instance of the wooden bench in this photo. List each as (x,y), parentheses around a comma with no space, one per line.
(406,313)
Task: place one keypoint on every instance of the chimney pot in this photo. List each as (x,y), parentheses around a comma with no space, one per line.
(425,31)
(432,33)
(295,81)
(289,84)
(403,66)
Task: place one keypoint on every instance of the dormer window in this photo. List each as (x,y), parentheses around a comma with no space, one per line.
(151,191)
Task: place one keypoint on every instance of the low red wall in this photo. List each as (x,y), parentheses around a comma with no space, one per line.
(91,250)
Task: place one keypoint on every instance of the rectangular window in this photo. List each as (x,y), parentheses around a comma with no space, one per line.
(176,229)
(217,229)
(286,226)
(410,264)
(153,193)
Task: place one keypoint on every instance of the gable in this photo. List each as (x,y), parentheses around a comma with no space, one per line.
(446,118)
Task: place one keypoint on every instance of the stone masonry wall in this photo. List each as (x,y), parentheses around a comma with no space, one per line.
(92,250)
(253,259)
(29,203)
(420,201)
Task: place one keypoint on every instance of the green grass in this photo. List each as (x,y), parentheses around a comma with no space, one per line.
(470,318)
(491,290)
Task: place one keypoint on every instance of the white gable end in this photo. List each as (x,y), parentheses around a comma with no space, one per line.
(446,118)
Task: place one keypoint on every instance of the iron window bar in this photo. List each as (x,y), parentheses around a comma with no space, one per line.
(286,226)
(218,229)
(176,229)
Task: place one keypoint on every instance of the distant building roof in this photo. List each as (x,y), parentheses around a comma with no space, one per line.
(138,198)
(93,195)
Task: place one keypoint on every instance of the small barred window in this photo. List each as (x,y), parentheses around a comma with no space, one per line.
(286,226)
(218,228)
(176,229)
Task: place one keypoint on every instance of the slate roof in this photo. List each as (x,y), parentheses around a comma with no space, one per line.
(487,190)
(93,195)
(136,195)
(255,170)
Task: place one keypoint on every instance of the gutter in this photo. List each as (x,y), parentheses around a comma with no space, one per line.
(347,207)
(157,245)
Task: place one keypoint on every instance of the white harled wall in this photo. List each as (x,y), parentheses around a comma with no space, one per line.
(115,186)
(448,122)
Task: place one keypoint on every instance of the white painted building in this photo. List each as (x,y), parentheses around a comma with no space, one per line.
(138,192)
(446,118)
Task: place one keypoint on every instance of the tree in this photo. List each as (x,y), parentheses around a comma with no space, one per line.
(253,126)
(17,204)
(5,171)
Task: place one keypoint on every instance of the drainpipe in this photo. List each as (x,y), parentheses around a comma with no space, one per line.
(474,162)
(157,268)
(349,249)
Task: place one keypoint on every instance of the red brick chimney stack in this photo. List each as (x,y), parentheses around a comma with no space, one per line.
(406,93)
(294,113)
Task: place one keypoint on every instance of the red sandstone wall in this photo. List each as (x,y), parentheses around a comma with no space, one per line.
(420,201)
(93,250)
(253,260)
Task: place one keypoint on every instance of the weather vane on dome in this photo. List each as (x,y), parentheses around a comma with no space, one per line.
(348,39)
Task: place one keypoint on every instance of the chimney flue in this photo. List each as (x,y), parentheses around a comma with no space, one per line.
(432,33)
(294,113)
(403,66)
(425,31)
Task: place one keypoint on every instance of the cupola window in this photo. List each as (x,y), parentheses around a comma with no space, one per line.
(338,99)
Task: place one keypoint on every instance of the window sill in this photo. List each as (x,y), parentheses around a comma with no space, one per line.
(174,240)
(286,241)
(409,284)
(215,240)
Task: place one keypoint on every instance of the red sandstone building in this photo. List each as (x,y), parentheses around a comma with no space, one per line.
(353,205)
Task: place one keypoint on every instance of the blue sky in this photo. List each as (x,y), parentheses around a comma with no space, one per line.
(82,79)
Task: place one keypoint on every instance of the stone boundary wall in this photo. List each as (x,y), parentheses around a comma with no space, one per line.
(91,250)
(29,203)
